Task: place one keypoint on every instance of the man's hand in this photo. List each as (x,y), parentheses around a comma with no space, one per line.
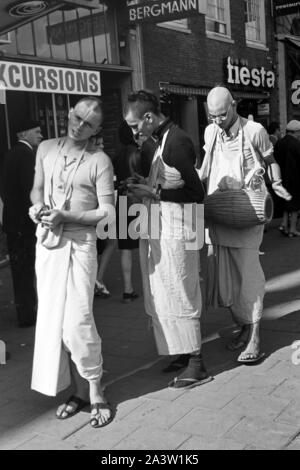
(136,179)
(35,212)
(141,190)
(52,218)
(281,191)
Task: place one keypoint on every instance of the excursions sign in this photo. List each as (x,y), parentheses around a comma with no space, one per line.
(46,79)
(256,77)
(285,7)
(158,11)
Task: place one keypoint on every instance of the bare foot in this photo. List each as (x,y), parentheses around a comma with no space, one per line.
(252,351)
(101,412)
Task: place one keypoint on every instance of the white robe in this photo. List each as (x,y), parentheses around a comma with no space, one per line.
(65,283)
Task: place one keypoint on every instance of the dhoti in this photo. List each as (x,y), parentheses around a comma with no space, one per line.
(171,285)
(65,283)
(235,279)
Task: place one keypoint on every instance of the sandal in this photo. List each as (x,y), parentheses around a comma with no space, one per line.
(293,234)
(79,405)
(94,421)
(129,297)
(186,384)
(250,358)
(101,290)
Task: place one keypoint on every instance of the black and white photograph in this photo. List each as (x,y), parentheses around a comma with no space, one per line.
(149,228)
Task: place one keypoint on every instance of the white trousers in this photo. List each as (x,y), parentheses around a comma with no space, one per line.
(65,283)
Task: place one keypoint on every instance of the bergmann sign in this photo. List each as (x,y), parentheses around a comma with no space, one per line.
(165,10)
(285,7)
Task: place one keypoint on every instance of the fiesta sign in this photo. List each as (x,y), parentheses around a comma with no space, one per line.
(257,77)
(44,79)
(158,11)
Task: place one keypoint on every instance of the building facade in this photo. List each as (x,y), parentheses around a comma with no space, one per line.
(232,44)
(47,64)
(288,45)
(50,62)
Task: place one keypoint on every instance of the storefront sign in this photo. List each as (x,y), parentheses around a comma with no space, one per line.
(263,109)
(285,7)
(157,11)
(72,30)
(256,77)
(45,79)
(296,92)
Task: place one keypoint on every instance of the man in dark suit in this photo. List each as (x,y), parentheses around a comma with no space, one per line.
(20,230)
(287,154)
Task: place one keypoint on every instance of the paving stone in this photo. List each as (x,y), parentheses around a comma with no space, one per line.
(257,405)
(16,413)
(163,416)
(285,369)
(291,414)
(200,443)
(140,414)
(295,445)
(164,395)
(151,438)
(289,388)
(248,380)
(12,438)
(102,438)
(252,447)
(266,434)
(127,407)
(201,422)
(206,399)
(45,443)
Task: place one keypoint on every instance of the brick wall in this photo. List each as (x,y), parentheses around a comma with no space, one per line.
(193,59)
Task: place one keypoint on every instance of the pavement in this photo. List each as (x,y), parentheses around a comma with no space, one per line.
(245,407)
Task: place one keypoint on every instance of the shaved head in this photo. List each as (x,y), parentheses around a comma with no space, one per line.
(219,96)
(221,107)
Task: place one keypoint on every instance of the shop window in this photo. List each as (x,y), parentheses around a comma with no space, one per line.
(85,23)
(255,24)
(76,34)
(41,34)
(72,34)
(103,24)
(25,43)
(218,19)
(56,34)
(5,39)
(8,44)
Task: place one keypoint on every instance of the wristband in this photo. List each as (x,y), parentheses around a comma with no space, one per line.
(158,191)
(277,182)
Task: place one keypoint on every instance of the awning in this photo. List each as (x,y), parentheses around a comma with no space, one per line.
(249,95)
(193,91)
(182,90)
(294,41)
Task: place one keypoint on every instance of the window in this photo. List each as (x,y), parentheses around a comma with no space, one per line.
(5,39)
(255,22)
(218,18)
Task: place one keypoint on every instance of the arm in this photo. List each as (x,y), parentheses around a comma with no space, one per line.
(37,192)
(90,217)
(181,155)
(266,150)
